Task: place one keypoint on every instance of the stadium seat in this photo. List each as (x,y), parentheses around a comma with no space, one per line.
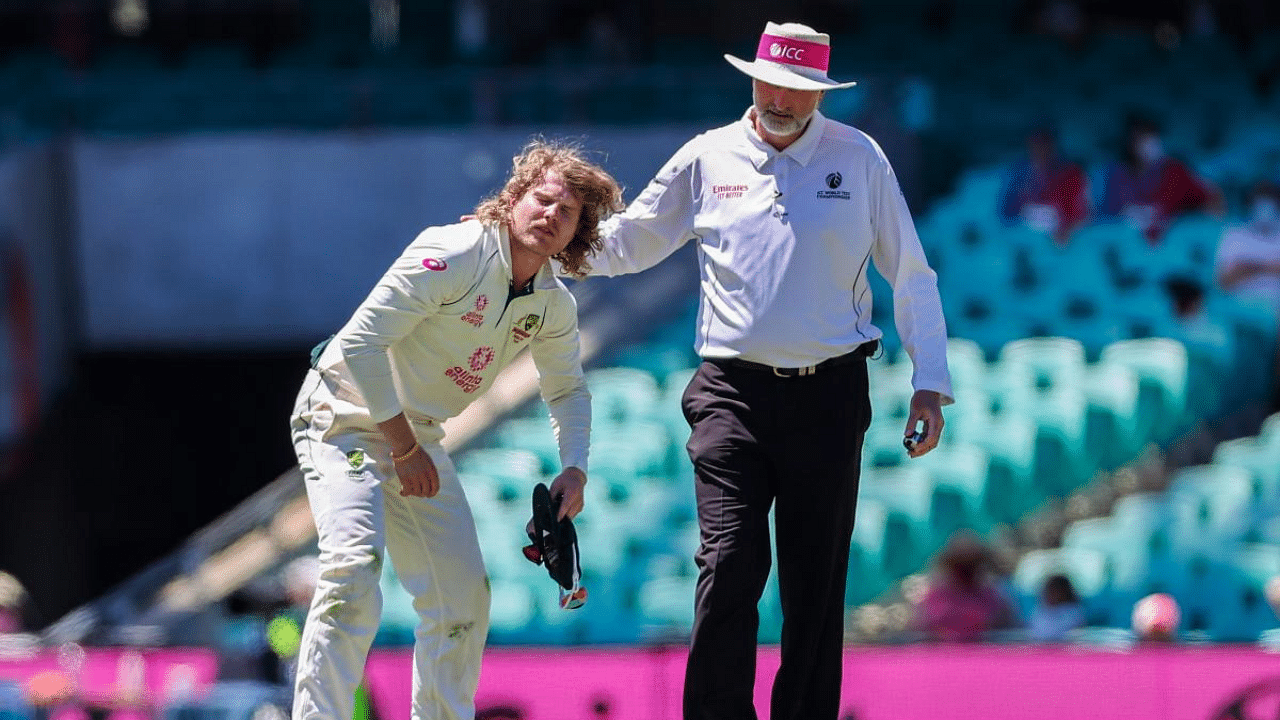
(1085,567)
(907,493)
(1010,443)
(1111,422)
(1188,248)
(967,362)
(1161,367)
(511,610)
(1259,458)
(1047,362)
(891,390)
(869,565)
(959,475)
(622,394)
(666,602)
(639,447)
(659,358)
(1217,502)
(882,445)
(1241,611)
(531,434)
(513,472)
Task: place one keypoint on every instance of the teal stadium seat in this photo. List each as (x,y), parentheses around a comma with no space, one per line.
(907,494)
(959,472)
(622,394)
(531,434)
(1217,501)
(1010,444)
(1189,247)
(869,564)
(891,391)
(1111,423)
(1125,563)
(639,447)
(514,472)
(1085,567)
(1161,367)
(1045,362)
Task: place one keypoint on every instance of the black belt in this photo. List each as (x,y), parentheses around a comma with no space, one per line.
(865,350)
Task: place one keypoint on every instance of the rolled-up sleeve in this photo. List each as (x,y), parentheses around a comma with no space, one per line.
(917,308)
(558,357)
(418,283)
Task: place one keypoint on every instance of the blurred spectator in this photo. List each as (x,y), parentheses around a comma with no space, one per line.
(605,41)
(1057,611)
(19,383)
(243,650)
(1196,326)
(1248,262)
(1063,19)
(284,631)
(15,641)
(1151,189)
(1045,190)
(12,598)
(962,603)
(1156,618)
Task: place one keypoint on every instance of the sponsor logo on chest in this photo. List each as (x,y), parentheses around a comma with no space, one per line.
(475,316)
(525,327)
(726,192)
(469,380)
(834,181)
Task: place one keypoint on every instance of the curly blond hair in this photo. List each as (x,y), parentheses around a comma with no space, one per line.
(599,193)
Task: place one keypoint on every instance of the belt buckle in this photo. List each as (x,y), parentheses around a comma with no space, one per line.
(797,372)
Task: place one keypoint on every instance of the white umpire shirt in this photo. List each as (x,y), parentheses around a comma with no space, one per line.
(784,239)
(443,322)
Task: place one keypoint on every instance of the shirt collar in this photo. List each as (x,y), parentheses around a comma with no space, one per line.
(801,150)
(543,279)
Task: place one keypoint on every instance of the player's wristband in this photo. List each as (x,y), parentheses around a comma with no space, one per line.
(407,453)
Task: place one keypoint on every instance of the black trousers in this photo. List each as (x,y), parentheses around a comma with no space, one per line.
(794,443)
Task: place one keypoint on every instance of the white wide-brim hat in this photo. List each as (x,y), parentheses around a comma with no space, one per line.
(793,56)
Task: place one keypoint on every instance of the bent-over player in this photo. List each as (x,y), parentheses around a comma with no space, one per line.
(448,315)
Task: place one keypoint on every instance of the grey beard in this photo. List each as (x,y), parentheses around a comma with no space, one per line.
(783,128)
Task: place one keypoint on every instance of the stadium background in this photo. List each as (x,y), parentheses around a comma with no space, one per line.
(192,193)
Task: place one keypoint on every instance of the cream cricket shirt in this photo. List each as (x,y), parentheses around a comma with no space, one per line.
(443,321)
(784,239)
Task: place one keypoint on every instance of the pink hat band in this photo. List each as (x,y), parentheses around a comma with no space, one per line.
(791,51)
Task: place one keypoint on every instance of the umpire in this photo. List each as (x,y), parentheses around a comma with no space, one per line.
(787,207)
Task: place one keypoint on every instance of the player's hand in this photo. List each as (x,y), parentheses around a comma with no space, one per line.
(926,410)
(569,487)
(418,476)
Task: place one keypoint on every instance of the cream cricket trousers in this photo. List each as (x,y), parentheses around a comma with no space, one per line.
(360,514)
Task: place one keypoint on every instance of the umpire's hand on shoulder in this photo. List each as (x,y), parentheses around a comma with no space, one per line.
(926,409)
(569,486)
